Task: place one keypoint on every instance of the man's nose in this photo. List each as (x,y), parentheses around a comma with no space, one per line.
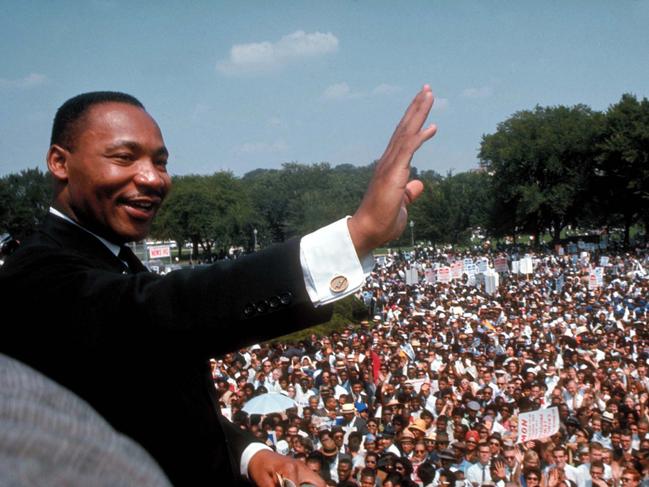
(149,175)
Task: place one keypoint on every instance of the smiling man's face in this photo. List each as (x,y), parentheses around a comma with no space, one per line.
(114,177)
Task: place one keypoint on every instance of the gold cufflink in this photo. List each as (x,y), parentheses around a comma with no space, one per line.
(338,284)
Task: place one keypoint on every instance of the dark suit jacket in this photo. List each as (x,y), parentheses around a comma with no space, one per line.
(135,346)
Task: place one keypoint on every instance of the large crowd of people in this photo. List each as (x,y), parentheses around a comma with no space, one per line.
(429,389)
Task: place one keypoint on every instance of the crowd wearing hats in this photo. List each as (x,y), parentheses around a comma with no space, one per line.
(429,390)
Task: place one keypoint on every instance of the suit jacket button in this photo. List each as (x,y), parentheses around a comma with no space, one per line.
(249,310)
(274,302)
(262,306)
(286,298)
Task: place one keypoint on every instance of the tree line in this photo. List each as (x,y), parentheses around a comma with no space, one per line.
(540,171)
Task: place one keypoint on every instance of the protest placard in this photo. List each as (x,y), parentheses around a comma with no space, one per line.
(482,264)
(457,268)
(491,279)
(526,266)
(516,266)
(444,274)
(500,264)
(603,260)
(541,423)
(417,383)
(471,281)
(431,276)
(592,280)
(412,277)
(599,276)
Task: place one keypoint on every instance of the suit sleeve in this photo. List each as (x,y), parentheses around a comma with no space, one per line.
(209,311)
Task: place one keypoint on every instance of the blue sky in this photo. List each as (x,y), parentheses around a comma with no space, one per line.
(242,85)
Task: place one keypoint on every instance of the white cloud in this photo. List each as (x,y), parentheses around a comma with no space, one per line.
(481,92)
(440,104)
(342,91)
(385,89)
(275,122)
(261,147)
(337,91)
(29,81)
(266,55)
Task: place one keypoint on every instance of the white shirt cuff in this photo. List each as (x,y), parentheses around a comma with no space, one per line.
(247,455)
(330,265)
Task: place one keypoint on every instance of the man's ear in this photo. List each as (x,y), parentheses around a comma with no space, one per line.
(57,162)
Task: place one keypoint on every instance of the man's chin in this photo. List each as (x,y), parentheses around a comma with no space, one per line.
(131,233)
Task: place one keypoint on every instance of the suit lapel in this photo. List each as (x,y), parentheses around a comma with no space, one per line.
(70,236)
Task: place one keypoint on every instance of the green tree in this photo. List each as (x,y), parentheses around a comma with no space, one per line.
(622,182)
(541,161)
(453,206)
(300,198)
(24,201)
(268,192)
(208,211)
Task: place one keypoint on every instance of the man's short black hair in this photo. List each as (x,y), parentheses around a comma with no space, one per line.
(72,111)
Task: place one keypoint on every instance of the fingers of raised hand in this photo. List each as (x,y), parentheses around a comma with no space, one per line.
(409,132)
(414,189)
(423,102)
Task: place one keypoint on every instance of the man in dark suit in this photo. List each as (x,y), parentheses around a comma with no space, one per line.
(136,345)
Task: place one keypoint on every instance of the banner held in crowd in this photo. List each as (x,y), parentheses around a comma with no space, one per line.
(541,423)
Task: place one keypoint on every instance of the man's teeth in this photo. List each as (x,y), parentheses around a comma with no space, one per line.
(144,206)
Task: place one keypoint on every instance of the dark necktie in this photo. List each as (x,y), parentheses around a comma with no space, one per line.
(133,264)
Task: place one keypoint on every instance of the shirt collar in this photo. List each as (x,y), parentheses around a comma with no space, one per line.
(114,248)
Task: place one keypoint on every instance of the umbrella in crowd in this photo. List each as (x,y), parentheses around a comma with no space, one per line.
(271,402)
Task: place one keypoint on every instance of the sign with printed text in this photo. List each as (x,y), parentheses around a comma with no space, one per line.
(491,279)
(603,260)
(417,383)
(444,274)
(412,277)
(457,268)
(471,281)
(482,264)
(516,266)
(500,264)
(471,269)
(592,280)
(159,251)
(541,423)
(526,266)
(467,262)
(431,276)
(599,276)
